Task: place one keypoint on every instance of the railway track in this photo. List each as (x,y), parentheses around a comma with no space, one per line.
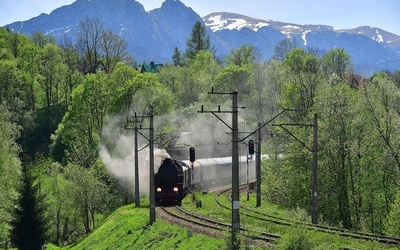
(326,229)
(204,224)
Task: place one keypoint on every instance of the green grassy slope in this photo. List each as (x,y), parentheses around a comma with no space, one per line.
(127,228)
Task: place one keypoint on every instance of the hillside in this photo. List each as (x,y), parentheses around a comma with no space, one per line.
(127,228)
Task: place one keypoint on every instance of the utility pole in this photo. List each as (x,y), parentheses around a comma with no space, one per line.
(135,128)
(152,189)
(235,169)
(137,196)
(151,170)
(314,150)
(235,160)
(315,172)
(258,167)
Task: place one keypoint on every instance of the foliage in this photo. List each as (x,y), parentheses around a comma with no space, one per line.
(9,172)
(336,168)
(233,78)
(87,193)
(71,91)
(299,240)
(98,47)
(283,47)
(303,79)
(336,63)
(189,83)
(127,228)
(30,226)
(198,41)
(393,223)
(176,57)
(244,55)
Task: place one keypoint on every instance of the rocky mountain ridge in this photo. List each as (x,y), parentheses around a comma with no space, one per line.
(153,35)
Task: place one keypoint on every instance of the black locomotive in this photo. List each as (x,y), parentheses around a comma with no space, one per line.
(171,182)
(175,179)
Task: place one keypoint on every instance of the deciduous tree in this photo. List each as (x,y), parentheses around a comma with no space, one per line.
(10,172)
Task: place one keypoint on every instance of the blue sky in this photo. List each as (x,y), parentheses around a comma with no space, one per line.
(383,14)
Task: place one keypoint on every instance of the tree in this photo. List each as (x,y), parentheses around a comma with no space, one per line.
(176,57)
(41,40)
(145,91)
(234,78)
(380,102)
(87,192)
(197,78)
(283,47)
(72,76)
(302,80)
(393,222)
(75,139)
(265,90)
(198,41)
(61,211)
(10,171)
(336,63)
(114,49)
(337,165)
(120,80)
(30,226)
(246,54)
(31,55)
(98,46)
(89,44)
(82,125)
(15,44)
(52,75)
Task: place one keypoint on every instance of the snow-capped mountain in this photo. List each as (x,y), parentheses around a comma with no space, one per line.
(228,21)
(371,49)
(153,35)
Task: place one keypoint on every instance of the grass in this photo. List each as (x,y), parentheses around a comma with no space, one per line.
(127,228)
(297,237)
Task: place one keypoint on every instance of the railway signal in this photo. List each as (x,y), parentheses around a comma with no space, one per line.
(192,158)
(251,147)
(192,154)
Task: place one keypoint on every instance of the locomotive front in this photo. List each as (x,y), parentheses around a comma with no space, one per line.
(171,182)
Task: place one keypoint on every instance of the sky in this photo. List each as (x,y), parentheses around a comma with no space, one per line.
(384,14)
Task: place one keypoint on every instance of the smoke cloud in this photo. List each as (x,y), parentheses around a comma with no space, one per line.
(117,152)
(208,135)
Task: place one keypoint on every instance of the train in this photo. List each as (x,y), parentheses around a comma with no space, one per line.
(175,179)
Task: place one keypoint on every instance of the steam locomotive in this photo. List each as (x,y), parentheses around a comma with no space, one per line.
(175,179)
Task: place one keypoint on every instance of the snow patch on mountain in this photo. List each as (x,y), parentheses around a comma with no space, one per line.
(378,37)
(225,21)
(304,36)
(290,30)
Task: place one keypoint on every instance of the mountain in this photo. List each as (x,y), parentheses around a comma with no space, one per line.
(153,35)
(371,49)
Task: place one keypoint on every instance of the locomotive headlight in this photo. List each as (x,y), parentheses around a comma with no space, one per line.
(159,190)
(175,189)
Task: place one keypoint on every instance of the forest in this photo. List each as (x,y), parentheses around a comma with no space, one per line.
(56,100)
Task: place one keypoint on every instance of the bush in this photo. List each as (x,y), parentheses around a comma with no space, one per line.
(299,239)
